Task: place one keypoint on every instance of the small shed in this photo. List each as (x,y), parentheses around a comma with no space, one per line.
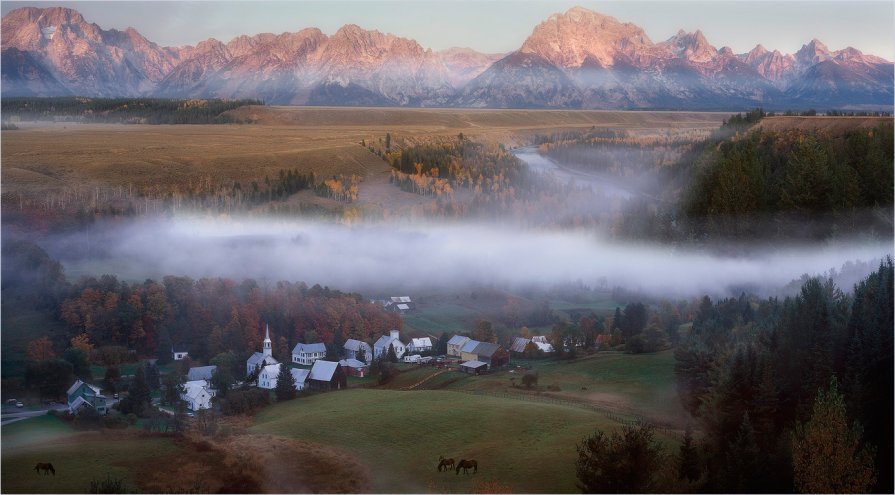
(473,367)
(354,367)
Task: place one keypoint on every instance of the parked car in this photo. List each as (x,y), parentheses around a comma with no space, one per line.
(11,402)
(115,396)
(19,404)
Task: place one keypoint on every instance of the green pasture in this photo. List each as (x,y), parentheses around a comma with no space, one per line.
(399,436)
(78,457)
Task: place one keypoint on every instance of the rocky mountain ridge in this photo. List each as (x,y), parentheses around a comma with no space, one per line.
(575,59)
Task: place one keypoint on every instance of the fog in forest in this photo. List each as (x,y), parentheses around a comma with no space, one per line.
(376,257)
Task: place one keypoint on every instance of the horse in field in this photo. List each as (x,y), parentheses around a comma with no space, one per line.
(465,465)
(447,464)
(46,467)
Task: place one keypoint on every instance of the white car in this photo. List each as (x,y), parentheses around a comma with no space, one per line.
(19,404)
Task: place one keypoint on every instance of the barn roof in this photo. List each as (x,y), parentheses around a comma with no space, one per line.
(474,364)
(402,307)
(486,349)
(308,348)
(458,340)
(519,344)
(323,370)
(470,346)
(201,373)
(544,347)
(401,299)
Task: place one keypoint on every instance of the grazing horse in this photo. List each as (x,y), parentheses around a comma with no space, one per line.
(447,464)
(465,465)
(46,467)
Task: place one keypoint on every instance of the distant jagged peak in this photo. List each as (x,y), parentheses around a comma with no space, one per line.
(691,46)
(568,39)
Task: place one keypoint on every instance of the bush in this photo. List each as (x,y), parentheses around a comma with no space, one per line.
(530,380)
(108,485)
(244,401)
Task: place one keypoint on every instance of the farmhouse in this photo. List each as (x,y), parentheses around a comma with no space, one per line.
(327,375)
(197,394)
(380,348)
(354,367)
(522,345)
(420,345)
(201,373)
(354,348)
(261,359)
(306,354)
(543,344)
(401,304)
(81,395)
(467,352)
(267,378)
(455,344)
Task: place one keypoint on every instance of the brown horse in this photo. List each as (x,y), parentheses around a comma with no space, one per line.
(447,464)
(46,467)
(465,465)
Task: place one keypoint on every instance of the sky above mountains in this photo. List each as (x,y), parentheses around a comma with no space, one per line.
(499,26)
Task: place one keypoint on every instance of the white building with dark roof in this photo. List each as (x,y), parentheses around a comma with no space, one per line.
(306,354)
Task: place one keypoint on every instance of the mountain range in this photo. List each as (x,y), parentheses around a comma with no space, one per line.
(576,59)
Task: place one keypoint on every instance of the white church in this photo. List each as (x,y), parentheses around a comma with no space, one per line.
(260,360)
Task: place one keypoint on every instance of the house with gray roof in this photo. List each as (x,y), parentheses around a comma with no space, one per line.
(354,347)
(455,344)
(306,354)
(493,354)
(81,395)
(201,373)
(327,375)
(423,344)
(197,394)
(380,348)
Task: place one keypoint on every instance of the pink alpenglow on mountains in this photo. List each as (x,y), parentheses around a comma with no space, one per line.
(576,59)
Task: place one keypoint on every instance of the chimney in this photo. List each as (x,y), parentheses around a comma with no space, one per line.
(393,334)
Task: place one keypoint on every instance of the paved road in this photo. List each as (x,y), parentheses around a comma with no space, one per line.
(11,414)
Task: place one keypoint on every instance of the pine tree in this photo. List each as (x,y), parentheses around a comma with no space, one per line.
(139,393)
(688,466)
(827,452)
(392,355)
(285,389)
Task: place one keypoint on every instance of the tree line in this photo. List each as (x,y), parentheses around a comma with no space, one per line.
(124,110)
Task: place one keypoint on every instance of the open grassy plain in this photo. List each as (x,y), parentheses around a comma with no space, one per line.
(527,446)
(43,157)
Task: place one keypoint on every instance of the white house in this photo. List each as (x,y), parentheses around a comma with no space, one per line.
(420,345)
(270,373)
(455,344)
(380,348)
(543,344)
(200,373)
(267,378)
(197,394)
(261,359)
(306,354)
(353,348)
(301,378)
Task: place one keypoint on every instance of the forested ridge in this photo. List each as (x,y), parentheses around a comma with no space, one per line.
(123,110)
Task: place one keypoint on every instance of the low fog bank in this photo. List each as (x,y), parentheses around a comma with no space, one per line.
(371,259)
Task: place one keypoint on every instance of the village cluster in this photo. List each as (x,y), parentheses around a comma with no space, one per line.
(312,371)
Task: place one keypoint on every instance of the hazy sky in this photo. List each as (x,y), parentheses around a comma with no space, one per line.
(502,26)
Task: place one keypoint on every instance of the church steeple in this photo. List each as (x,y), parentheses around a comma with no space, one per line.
(267,350)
